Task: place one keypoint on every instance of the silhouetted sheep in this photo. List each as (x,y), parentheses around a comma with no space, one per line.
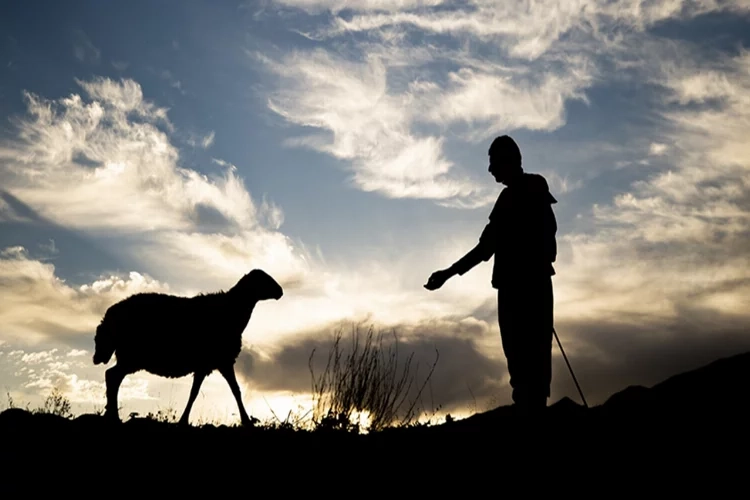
(173,336)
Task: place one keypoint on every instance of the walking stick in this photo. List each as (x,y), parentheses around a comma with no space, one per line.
(570,368)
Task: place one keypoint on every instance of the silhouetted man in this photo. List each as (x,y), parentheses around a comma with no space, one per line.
(521,235)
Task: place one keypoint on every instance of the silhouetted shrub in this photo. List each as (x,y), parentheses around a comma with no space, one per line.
(367,381)
(56,404)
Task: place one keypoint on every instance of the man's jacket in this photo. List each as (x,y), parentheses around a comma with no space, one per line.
(520,234)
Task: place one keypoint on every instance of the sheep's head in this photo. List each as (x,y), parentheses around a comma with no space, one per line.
(260,285)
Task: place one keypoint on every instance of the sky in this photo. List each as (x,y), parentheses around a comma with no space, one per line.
(341,146)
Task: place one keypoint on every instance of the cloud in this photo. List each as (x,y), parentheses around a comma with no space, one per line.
(120,65)
(208,140)
(677,235)
(335,6)
(204,142)
(83,49)
(370,127)
(108,165)
(533,102)
(701,199)
(396,70)
(609,355)
(37,373)
(39,307)
(526,29)
(373,122)
(8,214)
(657,149)
(465,370)
(50,249)
(661,282)
(173,81)
(389,86)
(658,284)
(664,268)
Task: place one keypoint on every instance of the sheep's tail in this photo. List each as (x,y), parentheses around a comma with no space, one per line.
(104,342)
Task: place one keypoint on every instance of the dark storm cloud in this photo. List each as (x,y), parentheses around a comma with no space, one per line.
(609,355)
(606,355)
(463,371)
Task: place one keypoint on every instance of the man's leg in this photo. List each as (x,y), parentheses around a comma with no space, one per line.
(525,319)
(511,335)
(537,353)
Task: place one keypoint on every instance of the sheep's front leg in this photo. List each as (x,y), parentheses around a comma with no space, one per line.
(113,378)
(198,379)
(228,373)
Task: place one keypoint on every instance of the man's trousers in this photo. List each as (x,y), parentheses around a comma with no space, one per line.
(525,316)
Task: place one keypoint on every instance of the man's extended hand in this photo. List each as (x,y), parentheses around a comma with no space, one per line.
(438,278)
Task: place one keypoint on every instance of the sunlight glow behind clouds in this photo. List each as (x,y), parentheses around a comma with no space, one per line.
(39,307)
(126,152)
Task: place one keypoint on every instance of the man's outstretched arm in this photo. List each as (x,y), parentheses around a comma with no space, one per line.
(480,253)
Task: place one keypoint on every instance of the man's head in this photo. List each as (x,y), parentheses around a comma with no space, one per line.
(505,159)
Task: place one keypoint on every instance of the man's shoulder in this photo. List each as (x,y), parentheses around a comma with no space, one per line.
(537,184)
(497,207)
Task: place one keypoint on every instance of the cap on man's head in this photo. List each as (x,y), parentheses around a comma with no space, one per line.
(505,146)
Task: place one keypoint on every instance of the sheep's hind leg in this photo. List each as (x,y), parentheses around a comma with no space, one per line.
(198,379)
(228,374)
(113,378)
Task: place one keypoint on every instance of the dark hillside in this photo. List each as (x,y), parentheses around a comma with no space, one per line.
(698,418)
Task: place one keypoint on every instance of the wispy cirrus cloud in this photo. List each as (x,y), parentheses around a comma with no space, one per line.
(83,49)
(525,29)
(315,6)
(370,127)
(384,73)
(375,128)
(107,164)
